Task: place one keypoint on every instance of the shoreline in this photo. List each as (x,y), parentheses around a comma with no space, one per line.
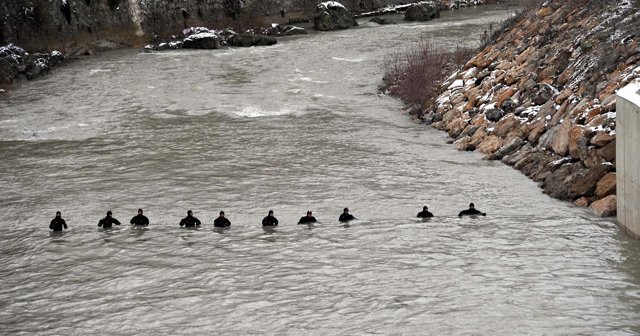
(23,66)
(544,104)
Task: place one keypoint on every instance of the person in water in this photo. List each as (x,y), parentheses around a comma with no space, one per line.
(307,219)
(140,219)
(108,221)
(221,221)
(472,211)
(190,221)
(58,223)
(270,220)
(346,216)
(424,213)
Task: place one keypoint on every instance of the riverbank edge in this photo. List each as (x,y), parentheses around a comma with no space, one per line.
(541,97)
(37,64)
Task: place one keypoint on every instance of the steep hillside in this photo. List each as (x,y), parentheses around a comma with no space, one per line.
(541,96)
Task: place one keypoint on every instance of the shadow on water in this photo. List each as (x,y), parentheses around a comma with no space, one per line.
(57,236)
(222,230)
(269,230)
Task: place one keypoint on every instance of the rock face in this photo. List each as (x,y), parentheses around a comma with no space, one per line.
(422,11)
(79,26)
(332,15)
(541,97)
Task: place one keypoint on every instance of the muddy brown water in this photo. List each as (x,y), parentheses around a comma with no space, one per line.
(292,127)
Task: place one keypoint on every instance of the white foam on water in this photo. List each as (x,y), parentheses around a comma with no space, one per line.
(97,71)
(349,60)
(294,91)
(319,96)
(308,80)
(258,112)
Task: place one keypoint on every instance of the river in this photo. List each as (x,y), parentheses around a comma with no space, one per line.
(293,127)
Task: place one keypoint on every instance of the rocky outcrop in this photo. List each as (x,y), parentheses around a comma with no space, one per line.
(251,40)
(204,38)
(403,6)
(284,30)
(422,11)
(605,207)
(332,15)
(381,20)
(16,63)
(541,97)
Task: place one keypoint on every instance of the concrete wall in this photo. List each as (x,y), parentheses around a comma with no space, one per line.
(627,161)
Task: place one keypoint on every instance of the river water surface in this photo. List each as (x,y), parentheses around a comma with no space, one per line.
(292,127)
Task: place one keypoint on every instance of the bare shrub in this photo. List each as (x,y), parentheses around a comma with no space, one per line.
(415,75)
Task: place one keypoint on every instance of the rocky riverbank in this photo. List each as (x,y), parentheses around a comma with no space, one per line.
(82,27)
(541,97)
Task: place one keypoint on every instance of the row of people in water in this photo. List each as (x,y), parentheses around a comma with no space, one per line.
(57,224)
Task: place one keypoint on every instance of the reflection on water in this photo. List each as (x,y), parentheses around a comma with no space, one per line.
(292,127)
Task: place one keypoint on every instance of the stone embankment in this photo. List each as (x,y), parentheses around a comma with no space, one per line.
(541,97)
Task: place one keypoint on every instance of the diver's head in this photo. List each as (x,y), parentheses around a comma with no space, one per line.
(471,206)
(189,212)
(58,214)
(109,213)
(270,212)
(346,210)
(139,211)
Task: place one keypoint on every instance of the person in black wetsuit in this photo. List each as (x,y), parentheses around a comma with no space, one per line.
(424,213)
(221,221)
(190,221)
(140,219)
(58,223)
(308,219)
(471,211)
(346,216)
(108,221)
(270,220)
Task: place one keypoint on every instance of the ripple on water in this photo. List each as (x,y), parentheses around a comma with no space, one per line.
(248,130)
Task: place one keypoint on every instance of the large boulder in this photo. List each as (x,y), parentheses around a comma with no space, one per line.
(37,68)
(605,207)
(585,182)
(205,40)
(381,20)
(332,15)
(557,183)
(251,40)
(284,30)
(12,62)
(507,149)
(606,186)
(422,11)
